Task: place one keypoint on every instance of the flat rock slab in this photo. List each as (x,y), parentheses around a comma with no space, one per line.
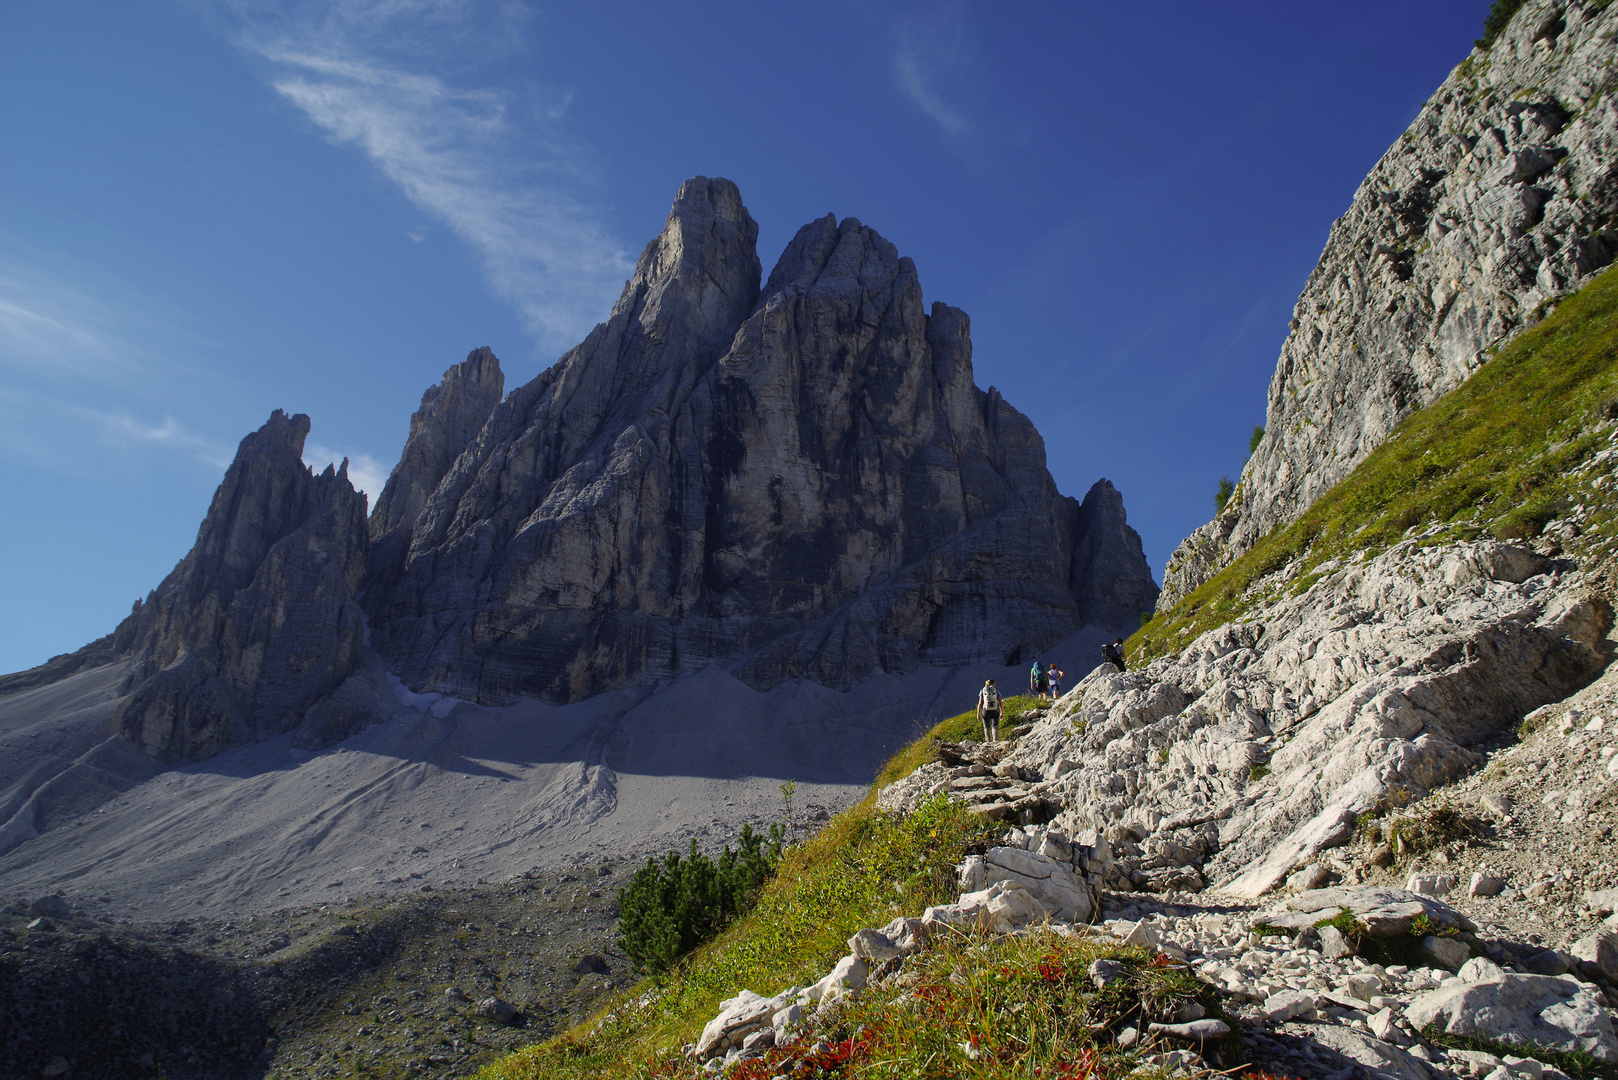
(1555,1011)
(1373,1053)
(1386,912)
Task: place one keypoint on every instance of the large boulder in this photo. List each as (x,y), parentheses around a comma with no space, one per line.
(1555,1011)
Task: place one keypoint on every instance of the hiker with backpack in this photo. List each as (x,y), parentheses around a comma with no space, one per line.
(1113,653)
(1054,674)
(1038,682)
(989,711)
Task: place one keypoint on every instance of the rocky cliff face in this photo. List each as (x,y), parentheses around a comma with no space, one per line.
(804,477)
(449,419)
(1498,199)
(1256,748)
(259,621)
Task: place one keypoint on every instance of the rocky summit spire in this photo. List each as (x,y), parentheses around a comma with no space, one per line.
(803,483)
(259,621)
(451,415)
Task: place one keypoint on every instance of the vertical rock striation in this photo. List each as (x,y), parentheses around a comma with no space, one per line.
(1499,198)
(259,621)
(804,479)
(449,419)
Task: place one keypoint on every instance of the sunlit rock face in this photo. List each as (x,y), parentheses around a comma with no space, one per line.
(1498,199)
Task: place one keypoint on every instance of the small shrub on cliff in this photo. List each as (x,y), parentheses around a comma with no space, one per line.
(1222,496)
(670,907)
(1494,24)
(1256,438)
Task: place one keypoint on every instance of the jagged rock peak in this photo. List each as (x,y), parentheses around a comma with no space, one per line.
(1107,560)
(1495,201)
(807,485)
(450,417)
(258,622)
(699,278)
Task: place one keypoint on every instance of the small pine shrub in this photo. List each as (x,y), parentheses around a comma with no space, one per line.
(670,907)
(1494,24)
(1222,496)
(1254,439)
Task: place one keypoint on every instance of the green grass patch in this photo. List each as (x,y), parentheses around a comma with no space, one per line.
(1409,835)
(1014,1007)
(864,868)
(1500,455)
(1576,1063)
(1399,949)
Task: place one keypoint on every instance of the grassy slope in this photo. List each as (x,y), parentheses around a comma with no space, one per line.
(1497,456)
(861,870)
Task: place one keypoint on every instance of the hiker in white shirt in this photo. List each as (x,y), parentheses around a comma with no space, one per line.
(989,711)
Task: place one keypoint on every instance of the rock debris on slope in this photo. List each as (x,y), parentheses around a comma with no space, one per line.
(1256,748)
(1497,200)
(437,986)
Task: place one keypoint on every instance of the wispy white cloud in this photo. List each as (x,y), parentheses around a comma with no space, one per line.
(500,171)
(932,62)
(365,472)
(121,428)
(64,322)
(52,433)
(89,367)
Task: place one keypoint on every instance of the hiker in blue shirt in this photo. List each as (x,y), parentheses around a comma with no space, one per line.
(1038,682)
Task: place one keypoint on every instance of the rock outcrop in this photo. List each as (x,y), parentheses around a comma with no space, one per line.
(1240,759)
(802,480)
(259,621)
(1498,199)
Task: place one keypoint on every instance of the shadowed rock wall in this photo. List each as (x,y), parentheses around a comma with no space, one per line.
(258,622)
(803,477)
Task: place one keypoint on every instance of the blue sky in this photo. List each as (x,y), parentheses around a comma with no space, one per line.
(209,210)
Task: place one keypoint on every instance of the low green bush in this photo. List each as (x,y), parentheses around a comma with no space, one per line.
(670,907)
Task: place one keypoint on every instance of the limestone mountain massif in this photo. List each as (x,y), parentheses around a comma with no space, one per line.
(1497,200)
(793,480)
(802,477)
